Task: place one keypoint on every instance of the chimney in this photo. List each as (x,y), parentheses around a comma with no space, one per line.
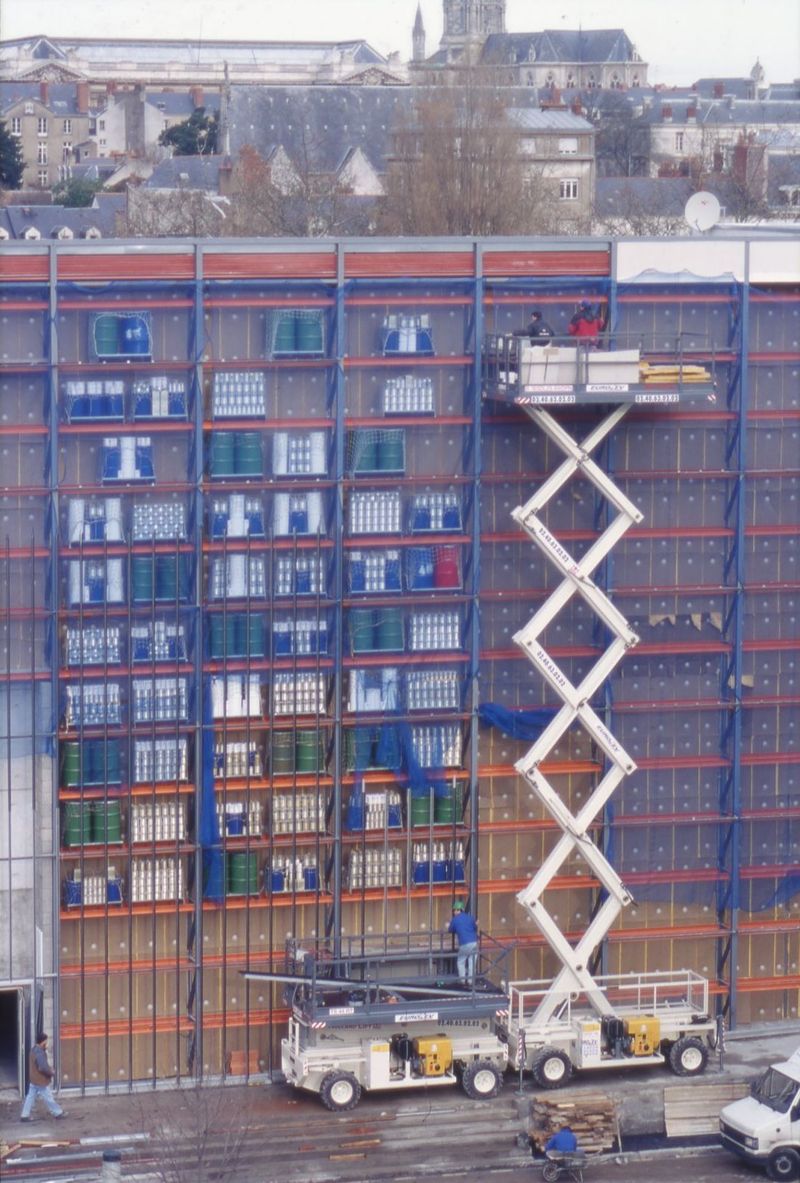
(43,91)
(666,113)
(82,97)
(576,107)
(196,93)
(719,90)
(691,114)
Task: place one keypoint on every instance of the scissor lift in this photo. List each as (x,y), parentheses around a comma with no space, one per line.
(578,1020)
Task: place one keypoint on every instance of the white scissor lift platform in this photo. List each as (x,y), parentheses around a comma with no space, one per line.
(578,1020)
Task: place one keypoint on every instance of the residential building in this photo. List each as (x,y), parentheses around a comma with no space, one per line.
(49,121)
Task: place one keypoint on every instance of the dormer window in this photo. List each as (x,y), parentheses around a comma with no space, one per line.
(29,108)
(31,232)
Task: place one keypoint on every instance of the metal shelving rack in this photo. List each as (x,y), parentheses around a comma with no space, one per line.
(175,1004)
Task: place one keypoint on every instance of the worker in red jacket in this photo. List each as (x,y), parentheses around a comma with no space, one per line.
(586,323)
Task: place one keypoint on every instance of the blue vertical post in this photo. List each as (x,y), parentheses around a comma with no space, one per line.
(334,926)
(52,594)
(474,590)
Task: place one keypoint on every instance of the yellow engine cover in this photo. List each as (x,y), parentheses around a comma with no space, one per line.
(645,1034)
(435,1054)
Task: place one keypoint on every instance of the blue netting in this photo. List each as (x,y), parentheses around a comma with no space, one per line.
(527,725)
(213,878)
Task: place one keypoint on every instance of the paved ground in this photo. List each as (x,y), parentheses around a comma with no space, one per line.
(273,1134)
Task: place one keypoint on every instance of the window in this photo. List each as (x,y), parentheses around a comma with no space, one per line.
(568,146)
(29,108)
(67,127)
(678,141)
(41,126)
(66,150)
(568,190)
(44,176)
(101,125)
(616,82)
(16,125)
(41,154)
(570,81)
(591,82)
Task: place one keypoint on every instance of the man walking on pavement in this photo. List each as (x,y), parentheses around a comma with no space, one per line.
(41,1075)
(465,931)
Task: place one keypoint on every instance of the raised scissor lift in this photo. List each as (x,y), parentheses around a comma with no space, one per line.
(542,1010)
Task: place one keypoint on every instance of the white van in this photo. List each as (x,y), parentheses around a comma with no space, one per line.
(764,1128)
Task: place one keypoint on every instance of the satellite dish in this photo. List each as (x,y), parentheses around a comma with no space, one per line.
(702,211)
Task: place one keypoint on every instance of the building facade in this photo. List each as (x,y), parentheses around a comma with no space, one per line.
(50,123)
(259,584)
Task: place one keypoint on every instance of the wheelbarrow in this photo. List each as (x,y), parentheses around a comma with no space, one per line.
(562,1164)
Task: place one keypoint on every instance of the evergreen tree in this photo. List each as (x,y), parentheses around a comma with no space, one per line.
(196,136)
(76,192)
(11,162)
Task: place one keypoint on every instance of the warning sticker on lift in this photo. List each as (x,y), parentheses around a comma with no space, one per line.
(424,1016)
(341,1010)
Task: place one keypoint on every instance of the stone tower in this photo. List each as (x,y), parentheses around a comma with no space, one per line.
(468,21)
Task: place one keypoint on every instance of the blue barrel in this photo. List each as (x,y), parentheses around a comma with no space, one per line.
(358,575)
(135,335)
(420,561)
(310,878)
(273,880)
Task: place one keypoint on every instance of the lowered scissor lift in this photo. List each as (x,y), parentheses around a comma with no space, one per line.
(386,1014)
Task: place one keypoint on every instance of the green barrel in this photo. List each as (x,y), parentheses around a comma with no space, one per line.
(366,456)
(107,340)
(70,763)
(389,630)
(360,744)
(283,749)
(77,824)
(392,451)
(106,822)
(233,640)
(308,333)
(142,579)
(102,762)
(447,808)
(223,453)
(247,458)
(216,635)
(310,751)
(420,810)
(170,577)
(251,630)
(242,873)
(362,630)
(285,335)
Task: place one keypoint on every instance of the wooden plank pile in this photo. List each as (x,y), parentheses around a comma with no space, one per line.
(693,1109)
(592,1117)
(670,374)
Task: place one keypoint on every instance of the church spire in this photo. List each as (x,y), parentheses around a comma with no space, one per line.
(418,38)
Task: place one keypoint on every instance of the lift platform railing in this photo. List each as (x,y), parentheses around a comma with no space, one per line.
(621,365)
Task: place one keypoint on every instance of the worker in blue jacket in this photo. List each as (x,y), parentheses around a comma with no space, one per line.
(564,1141)
(465,931)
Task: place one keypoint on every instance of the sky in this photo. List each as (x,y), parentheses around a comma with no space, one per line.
(682,40)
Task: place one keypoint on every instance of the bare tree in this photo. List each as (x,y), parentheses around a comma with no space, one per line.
(199,1134)
(458,166)
(173,213)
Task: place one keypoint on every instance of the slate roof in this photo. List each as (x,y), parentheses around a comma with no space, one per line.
(49,219)
(722,112)
(187,172)
(534,120)
(323,122)
(181,105)
(556,45)
(62,97)
(666,196)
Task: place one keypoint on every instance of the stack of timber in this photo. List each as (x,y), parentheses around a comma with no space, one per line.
(693,1109)
(672,374)
(592,1117)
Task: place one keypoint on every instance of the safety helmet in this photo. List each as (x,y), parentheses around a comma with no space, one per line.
(458,905)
